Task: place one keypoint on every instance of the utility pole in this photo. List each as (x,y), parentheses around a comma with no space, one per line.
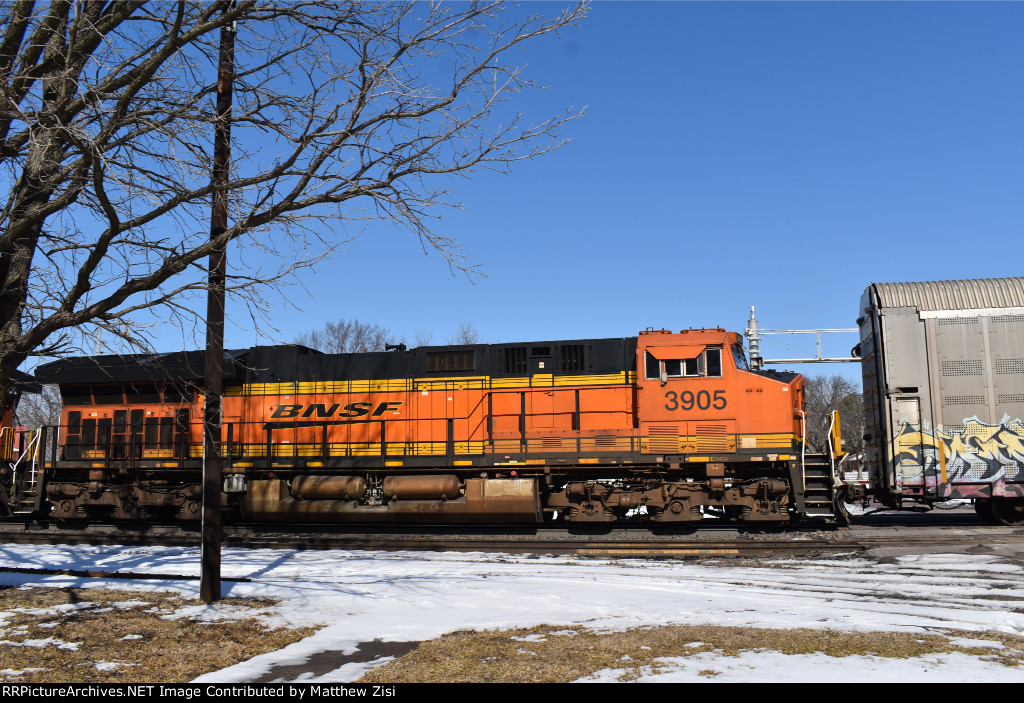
(209,581)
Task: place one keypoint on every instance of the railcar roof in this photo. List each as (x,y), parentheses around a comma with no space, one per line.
(974,294)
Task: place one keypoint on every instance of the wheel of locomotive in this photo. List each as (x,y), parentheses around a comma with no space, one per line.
(1008,511)
(983,509)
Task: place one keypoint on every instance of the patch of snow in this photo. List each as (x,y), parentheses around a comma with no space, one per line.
(59,644)
(414,596)
(14,673)
(110,666)
(979,644)
(775,667)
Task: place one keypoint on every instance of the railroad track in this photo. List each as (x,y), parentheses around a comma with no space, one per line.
(615,542)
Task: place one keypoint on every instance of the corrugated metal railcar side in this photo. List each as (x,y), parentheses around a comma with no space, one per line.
(943,370)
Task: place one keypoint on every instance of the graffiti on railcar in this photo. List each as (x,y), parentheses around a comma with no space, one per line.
(984,452)
(979,453)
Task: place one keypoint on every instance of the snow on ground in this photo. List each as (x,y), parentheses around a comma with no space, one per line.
(413,596)
(773,667)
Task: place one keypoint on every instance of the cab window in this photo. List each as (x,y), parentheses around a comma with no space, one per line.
(708,363)
(740,357)
(712,362)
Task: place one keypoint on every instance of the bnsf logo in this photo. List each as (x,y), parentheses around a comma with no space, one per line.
(324,410)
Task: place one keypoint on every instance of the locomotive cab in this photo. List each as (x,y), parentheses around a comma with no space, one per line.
(695,385)
(729,437)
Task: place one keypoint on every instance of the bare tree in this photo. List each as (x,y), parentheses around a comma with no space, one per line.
(423,337)
(344,112)
(466,333)
(40,409)
(826,394)
(851,413)
(345,336)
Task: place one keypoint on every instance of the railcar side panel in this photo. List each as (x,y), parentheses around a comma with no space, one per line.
(943,371)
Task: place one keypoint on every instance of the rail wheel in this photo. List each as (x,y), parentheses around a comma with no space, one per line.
(983,509)
(1008,511)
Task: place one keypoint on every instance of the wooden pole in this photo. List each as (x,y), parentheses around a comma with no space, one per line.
(209,581)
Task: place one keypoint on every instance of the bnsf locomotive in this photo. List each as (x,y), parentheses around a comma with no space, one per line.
(668,427)
(665,427)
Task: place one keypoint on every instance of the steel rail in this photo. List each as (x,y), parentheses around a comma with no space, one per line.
(608,542)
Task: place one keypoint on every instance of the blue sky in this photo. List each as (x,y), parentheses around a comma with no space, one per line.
(782,155)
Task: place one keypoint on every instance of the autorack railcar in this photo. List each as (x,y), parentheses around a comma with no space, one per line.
(943,371)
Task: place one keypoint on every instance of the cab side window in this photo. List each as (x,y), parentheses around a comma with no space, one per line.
(713,362)
(652,370)
(708,363)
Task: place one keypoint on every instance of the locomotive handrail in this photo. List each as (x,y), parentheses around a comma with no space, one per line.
(26,485)
(254,441)
(803,449)
(6,443)
(33,440)
(246,441)
(831,449)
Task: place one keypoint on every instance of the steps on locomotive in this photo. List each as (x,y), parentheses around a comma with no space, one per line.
(818,487)
(26,493)
(26,496)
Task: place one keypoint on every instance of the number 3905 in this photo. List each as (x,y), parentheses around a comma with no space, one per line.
(688,400)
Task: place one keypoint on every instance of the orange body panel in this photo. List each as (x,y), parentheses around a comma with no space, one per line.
(688,395)
(737,401)
(585,430)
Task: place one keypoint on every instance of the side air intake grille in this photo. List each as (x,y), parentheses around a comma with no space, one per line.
(962,367)
(515,360)
(964,400)
(451,361)
(1009,366)
(572,357)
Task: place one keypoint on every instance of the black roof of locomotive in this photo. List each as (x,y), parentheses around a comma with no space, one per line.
(293,362)
(24,383)
(114,368)
(296,363)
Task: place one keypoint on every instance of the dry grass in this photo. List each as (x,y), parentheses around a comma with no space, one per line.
(549,654)
(106,636)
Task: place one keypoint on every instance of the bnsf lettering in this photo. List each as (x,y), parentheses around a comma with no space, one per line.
(324,410)
(357,409)
(321,410)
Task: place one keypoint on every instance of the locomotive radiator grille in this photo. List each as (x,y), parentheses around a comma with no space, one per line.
(713,438)
(663,439)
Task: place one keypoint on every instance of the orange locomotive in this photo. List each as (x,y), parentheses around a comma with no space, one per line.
(665,427)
